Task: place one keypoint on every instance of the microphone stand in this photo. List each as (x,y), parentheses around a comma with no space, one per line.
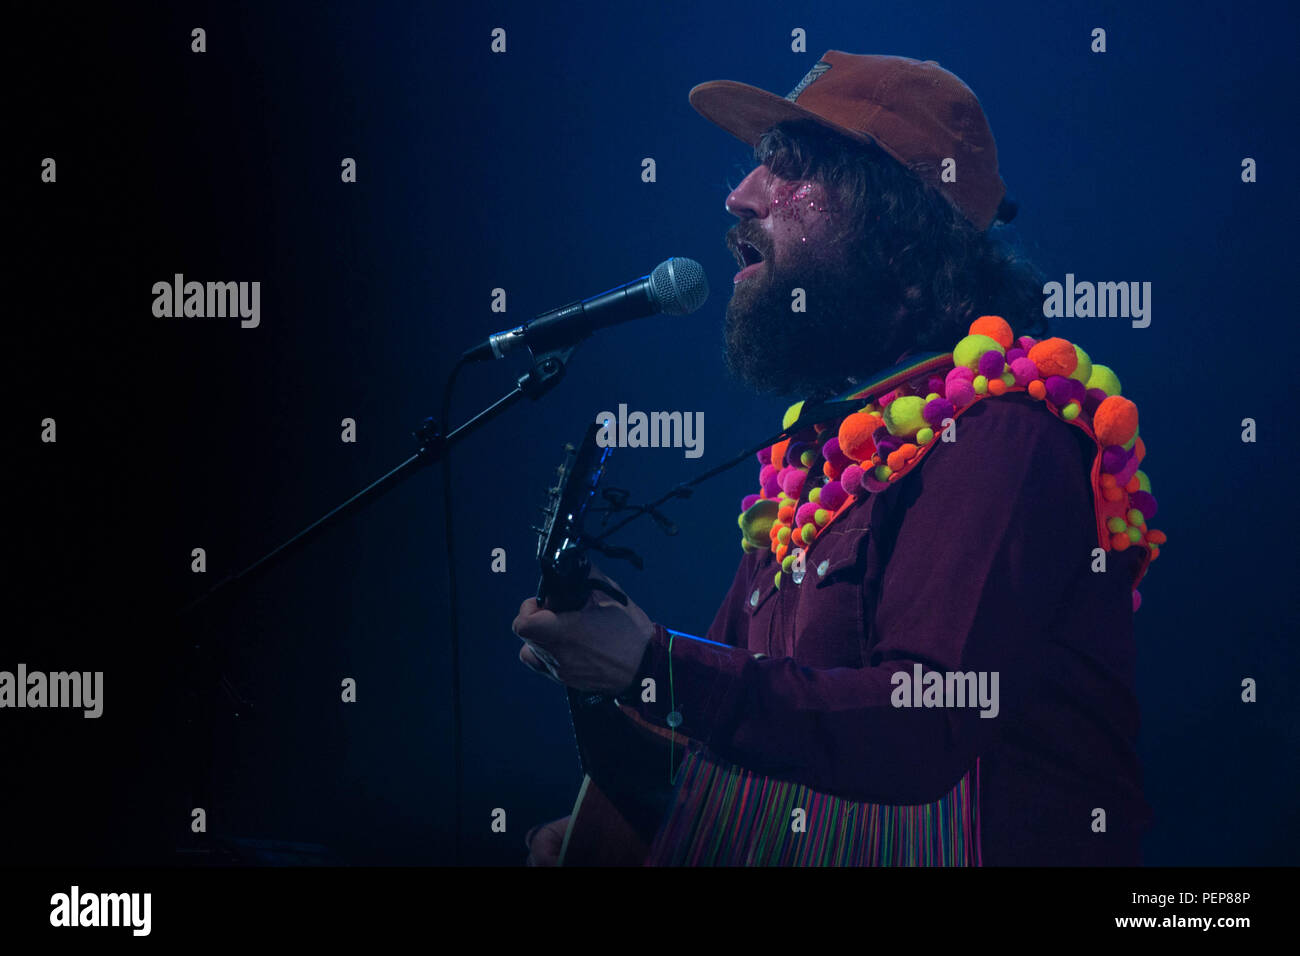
(431,446)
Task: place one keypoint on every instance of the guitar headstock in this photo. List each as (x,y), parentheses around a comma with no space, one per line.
(561,550)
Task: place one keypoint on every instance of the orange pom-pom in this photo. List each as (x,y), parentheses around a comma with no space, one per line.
(1155,553)
(1107,480)
(1115,421)
(1037,389)
(1054,357)
(1133,485)
(995,327)
(1156,537)
(1120,541)
(778,453)
(785,513)
(1140,449)
(1112,494)
(896,459)
(997,386)
(855,435)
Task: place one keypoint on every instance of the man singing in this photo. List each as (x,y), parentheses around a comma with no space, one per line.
(926,655)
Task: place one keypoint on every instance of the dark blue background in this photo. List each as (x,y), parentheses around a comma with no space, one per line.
(522,171)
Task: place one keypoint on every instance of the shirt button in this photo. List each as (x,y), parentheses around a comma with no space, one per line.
(821,568)
(753,598)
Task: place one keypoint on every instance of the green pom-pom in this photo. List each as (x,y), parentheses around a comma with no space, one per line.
(968,351)
(1135,535)
(925,435)
(792,414)
(1104,379)
(787,563)
(905,415)
(1136,518)
(821,516)
(883,472)
(1070,412)
(1083,371)
(756,523)
(807,458)
(981,385)
(777,580)
(1116,525)
(746,546)
(1008,379)
(783,535)
(1144,483)
(808,532)
(932,396)
(1128,445)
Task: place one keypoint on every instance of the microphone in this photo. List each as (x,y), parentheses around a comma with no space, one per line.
(677,286)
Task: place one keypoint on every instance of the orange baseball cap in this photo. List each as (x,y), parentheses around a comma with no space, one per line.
(916,111)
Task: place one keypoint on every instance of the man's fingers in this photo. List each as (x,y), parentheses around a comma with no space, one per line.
(531,659)
(533,620)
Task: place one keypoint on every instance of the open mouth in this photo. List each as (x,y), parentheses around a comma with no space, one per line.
(748,258)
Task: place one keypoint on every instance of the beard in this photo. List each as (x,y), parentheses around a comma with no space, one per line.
(851,326)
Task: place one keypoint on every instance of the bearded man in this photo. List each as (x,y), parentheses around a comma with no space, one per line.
(926,655)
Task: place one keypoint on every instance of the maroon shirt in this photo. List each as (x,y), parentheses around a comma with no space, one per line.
(980,559)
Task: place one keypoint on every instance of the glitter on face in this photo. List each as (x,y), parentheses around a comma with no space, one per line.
(800,205)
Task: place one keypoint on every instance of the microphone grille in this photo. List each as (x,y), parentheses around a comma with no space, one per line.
(679,285)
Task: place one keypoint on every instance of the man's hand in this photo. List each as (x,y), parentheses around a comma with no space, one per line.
(544,842)
(597,648)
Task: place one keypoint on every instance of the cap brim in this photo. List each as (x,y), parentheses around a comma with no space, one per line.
(745,111)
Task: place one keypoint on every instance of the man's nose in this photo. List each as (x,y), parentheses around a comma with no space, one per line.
(748,200)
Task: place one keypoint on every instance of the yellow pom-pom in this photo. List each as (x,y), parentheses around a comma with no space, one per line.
(1104,379)
(792,414)
(980,384)
(756,523)
(1070,412)
(1144,483)
(968,351)
(904,415)
(1083,370)
(925,436)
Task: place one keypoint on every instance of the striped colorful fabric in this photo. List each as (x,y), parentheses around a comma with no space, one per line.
(725,816)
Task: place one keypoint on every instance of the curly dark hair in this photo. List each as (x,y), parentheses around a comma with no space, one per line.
(915,248)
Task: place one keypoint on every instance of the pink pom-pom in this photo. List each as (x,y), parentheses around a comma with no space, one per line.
(1113,459)
(960,393)
(960,374)
(1137,600)
(792,480)
(749,501)
(851,479)
(769,479)
(936,410)
(833,494)
(1026,343)
(765,455)
(805,513)
(1013,354)
(991,363)
(1024,369)
(884,400)
(1144,502)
